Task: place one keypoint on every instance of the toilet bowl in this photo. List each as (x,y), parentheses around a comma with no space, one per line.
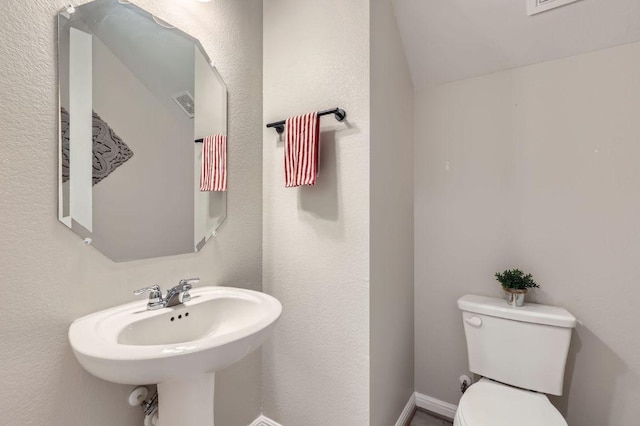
(489,403)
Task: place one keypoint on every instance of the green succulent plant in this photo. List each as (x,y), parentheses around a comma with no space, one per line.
(516,279)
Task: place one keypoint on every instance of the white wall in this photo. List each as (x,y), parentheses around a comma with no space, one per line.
(391,233)
(49,277)
(316,239)
(80,150)
(535,168)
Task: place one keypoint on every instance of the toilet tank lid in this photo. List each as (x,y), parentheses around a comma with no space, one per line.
(530,312)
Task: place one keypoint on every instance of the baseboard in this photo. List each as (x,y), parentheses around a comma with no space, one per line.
(407,413)
(264,421)
(435,405)
(415,400)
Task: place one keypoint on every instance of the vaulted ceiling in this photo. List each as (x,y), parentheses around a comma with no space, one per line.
(449,40)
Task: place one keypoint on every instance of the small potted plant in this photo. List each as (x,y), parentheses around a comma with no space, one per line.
(516,284)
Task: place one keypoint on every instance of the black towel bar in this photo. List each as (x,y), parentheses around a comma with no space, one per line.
(340,115)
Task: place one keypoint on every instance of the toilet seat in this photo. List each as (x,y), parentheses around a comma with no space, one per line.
(489,403)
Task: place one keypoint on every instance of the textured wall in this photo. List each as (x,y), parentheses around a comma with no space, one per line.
(392,147)
(49,277)
(535,168)
(316,239)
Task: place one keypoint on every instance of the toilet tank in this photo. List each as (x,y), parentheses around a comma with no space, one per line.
(525,347)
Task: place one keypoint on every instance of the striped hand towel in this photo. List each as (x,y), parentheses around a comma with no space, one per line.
(302,143)
(213,172)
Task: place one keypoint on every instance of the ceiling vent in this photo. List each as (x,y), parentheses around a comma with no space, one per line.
(537,6)
(185,101)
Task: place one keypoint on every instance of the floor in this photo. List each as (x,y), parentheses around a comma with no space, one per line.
(422,418)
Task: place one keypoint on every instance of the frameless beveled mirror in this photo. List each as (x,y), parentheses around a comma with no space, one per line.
(137,96)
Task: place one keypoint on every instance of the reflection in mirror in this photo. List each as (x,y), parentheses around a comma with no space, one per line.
(136,94)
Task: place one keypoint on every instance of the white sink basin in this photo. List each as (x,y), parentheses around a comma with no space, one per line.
(179,348)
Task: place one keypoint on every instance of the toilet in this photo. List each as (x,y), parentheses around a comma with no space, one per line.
(521,355)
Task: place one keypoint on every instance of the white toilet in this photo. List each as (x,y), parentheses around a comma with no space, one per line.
(521,354)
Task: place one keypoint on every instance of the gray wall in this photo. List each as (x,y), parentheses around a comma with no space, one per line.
(49,277)
(158,133)
(535,168)
(316,239)
(391,233)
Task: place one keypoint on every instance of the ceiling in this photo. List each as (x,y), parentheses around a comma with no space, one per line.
(449,40)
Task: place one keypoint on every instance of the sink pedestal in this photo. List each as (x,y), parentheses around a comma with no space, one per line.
(187,401)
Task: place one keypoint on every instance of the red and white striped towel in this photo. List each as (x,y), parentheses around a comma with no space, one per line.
(213,171)
(302,143)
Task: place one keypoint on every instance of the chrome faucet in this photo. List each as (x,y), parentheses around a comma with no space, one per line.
(175,295)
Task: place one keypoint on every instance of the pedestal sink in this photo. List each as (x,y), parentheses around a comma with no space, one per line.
(179,348)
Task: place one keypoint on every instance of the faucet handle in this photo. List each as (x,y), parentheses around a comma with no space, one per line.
(186,283)
(152,289)
(155,296)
